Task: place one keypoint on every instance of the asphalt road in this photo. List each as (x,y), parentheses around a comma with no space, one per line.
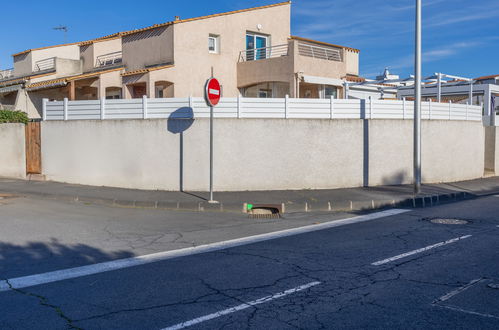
(400,271)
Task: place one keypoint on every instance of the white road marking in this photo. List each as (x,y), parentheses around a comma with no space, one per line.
(65,274)
(410,253)
(457,309)
(241,307)
(457,291)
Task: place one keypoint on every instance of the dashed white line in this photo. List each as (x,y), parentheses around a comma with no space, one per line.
(410,253)
(65,274)
(457,291)
(241,307)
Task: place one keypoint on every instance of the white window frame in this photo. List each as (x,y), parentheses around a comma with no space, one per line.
(216,39)
(254,35)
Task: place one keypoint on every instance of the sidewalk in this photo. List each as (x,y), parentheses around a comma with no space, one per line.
(293,201)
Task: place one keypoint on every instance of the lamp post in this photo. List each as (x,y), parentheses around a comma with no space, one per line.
(417,102)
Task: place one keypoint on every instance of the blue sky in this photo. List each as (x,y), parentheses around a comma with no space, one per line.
(461,37)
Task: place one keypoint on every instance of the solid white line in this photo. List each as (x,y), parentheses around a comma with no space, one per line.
(240,307)
(410,253)
(60,275)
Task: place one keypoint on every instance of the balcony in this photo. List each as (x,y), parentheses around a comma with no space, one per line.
(264,53)
(109,59)
(5,74)
(318,52)
(45,65)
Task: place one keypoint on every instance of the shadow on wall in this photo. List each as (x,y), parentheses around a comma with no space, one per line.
(39,257)
(401,177)
(178,122)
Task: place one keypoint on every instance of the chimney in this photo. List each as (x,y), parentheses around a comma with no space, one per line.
(177,18)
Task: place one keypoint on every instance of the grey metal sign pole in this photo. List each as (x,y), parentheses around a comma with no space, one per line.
(417,102)
(211,156)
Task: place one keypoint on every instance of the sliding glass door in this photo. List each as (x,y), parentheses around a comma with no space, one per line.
(256,47)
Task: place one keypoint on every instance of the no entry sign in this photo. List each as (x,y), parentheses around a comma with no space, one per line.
(213,92)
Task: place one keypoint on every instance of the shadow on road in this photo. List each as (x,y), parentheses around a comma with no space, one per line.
(39,257)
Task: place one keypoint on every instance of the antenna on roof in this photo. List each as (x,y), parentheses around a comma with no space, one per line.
(64,29)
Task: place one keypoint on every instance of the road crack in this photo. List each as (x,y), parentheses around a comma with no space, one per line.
(45,302)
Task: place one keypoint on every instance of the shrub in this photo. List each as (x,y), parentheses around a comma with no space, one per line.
(7,116)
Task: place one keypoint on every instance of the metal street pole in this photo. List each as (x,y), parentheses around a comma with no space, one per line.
(211,150)
(211,155)
(417,103)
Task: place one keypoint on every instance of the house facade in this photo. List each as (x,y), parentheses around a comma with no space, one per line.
(251,52)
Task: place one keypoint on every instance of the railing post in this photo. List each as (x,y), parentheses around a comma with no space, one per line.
(467,106)
(102,108)
(65,105)
(191,104)
(331,108)
(286,105)
(144,106)
(370,108)
(44,108)
(404,109)
(429,109)
(239,106)
(450,109)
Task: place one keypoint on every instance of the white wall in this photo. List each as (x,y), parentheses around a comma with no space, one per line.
(12,151)
(256,154)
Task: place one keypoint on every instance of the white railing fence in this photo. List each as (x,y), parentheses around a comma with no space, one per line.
(323,53)
(46,64)
(263,53)
(8,73)
(109,59)
(284,108)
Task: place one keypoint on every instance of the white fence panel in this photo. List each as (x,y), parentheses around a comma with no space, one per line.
(196,107)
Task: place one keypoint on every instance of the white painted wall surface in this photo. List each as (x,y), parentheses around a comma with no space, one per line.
(12,151)
(256,154)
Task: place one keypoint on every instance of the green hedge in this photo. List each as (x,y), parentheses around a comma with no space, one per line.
(7,116)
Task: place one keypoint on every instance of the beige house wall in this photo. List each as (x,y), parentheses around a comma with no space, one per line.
(99,48)
(193,60)
(150,47)
(110,79)
(87,57)
(351,61)
(23,65)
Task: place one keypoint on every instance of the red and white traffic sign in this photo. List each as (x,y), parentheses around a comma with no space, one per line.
(213,92)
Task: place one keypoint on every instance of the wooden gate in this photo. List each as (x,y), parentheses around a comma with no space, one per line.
(33,148)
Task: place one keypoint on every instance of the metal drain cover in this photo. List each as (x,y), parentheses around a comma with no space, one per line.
(443,221)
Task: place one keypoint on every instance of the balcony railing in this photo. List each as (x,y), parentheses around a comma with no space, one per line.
(109,59)
(8,73)
(46,64)
(264,53)
(323,53)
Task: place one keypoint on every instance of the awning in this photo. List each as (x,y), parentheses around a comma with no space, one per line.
(323,81)
(10,89)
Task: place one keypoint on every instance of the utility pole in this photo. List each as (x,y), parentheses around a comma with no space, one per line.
(417,101)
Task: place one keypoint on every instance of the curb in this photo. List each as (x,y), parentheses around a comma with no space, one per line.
(305,207)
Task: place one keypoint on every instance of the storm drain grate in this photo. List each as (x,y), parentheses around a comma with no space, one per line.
(264,211)
(449,221)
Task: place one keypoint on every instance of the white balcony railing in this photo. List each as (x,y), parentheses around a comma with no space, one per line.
(109,59)
(264,53)
(46,64)
(323,53)
(8,73)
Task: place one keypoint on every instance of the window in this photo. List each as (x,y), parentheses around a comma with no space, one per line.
(265,93)
(330,91)
(256,46)
(213,44)
(159,92)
